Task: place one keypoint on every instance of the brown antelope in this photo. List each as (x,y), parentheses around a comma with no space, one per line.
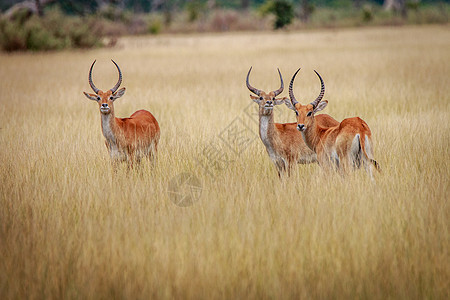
(127,139)
(283,142)
(348,144)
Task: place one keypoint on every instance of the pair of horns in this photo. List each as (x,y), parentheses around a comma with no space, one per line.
(315,102)
(291,86)
(114,89)
(258,92)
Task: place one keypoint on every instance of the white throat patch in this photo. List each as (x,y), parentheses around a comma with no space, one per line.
(107,130)
(263,131)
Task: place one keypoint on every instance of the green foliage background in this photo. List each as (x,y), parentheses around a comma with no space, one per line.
(85,24)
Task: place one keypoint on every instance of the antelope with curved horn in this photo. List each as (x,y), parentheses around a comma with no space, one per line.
(348,144)
(283,142)
(127,139)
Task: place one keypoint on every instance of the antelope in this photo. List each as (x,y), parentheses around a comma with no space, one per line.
(347,144)
(127,139)
(283,142)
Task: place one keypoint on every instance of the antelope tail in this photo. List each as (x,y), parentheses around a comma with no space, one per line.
(362,141)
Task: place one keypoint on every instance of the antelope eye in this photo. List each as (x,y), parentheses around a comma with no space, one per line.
(110,98)
(309,114)
(98,98)
(273,98)
(260,98)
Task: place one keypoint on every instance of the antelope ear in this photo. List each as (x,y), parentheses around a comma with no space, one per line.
(321,106)
(288,103)
(118,94)
(255,98)
(91,96)
(279,101)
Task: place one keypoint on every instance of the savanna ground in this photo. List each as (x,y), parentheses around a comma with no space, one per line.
(72,228)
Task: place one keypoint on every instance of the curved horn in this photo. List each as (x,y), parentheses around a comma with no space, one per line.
(114,89)
(280,90)
(91,83)
(291,91)
(252,89)
(322,91)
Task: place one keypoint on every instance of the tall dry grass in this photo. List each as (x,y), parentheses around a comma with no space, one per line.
(72,228)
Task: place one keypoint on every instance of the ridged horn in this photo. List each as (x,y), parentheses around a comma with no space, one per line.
(280,90)
(252,89)
(91,83)
(291,89)
(322,92)
(114,89)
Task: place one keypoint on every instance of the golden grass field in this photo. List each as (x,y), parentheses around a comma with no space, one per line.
(71,227)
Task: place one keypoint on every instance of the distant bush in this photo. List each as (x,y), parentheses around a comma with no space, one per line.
(223,20)
(427,14)
(219,20)
(413,5)
(194,9)
(53,32)
(154,26)
(367,13)
(113,13)
(283,11)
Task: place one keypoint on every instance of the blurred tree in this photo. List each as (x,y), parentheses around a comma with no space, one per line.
(283,11)
(245,4)
(34,7)
(78,7)
(169,7)
(157,4)
(194,9)
(398,6)
(40,12)
(211,4)
(307,10)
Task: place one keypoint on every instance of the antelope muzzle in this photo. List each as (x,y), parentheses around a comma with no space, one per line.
(105,109)
(268,104)
(301,127)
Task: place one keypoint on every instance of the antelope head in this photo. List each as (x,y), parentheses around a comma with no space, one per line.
(266,101)
(305,113)
(106,99)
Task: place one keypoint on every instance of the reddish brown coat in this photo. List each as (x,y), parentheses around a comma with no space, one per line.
(127,139)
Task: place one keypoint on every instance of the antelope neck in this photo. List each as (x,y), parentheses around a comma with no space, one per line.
(267,132)
(109,127)
(312,135)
